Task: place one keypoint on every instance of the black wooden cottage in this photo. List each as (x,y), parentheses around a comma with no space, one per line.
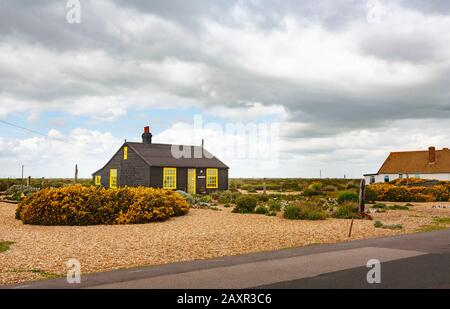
(188,168)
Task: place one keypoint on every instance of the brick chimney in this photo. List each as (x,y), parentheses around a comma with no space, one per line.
(147,136)
(432,155)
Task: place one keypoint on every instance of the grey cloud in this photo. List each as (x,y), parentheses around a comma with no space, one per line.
(325,110)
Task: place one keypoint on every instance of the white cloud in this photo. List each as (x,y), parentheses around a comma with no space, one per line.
(57,154)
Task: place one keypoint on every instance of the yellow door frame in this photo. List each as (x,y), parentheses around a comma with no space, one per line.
(195,179)
(111,175)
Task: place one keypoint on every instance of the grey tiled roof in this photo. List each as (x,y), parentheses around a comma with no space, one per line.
(161,155)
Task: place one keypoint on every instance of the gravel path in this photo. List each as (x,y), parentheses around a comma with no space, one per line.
(40,252)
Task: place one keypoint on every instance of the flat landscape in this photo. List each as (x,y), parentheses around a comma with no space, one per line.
(40,252)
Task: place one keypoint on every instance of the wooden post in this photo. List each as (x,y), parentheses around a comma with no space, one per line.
(29,181)
(350,231)
(76,173)
(22,175)
(362,195)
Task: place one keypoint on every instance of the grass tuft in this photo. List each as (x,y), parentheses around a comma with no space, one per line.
(5,245)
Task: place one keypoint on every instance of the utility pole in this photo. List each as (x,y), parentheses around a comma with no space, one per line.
(76,173)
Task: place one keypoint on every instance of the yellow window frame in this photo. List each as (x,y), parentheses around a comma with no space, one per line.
(98,180)
(125,153)
(212,178)
(169,178)
(113,178)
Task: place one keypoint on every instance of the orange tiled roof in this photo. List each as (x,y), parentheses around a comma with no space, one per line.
(416,162)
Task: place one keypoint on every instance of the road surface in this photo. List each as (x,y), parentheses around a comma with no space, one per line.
(407,261)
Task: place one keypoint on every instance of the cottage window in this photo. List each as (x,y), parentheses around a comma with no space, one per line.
(417,176)
(125,153)
(400,176)
(386,178)
(98,180)
(212,178)
(372,179)
(113,178)
(170,178)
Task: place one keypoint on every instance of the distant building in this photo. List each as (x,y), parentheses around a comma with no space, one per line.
(175,167)
(425,164)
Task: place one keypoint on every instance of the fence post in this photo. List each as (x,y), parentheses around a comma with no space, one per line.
(29,181)
(362,195)
(76,173)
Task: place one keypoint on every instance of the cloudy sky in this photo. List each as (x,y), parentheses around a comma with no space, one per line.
(341,83)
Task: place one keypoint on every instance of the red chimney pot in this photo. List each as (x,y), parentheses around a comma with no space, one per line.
(147,129)
(432,155)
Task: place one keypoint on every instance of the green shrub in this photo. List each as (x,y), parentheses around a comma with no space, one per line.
(371,195)
(379,206)
(304,211)
(271,214)
(264,197)
(228,197)
(313,189)
(398,207)
(78,205)
(227,205)
(329,188)
(274,205)
(378,224)
(205,199)
(347,197)
(245,204)
(189,198)
(18,192)
(347,210)
(262,210)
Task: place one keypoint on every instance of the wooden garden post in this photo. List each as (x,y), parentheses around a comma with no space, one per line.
(362,195)
(76,173)
(29,181)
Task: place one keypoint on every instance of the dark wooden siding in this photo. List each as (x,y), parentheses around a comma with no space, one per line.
(133,172)
(201,180)
(156,177)
(182,178)
(223,179)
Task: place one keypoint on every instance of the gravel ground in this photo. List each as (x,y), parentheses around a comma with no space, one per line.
(41,252)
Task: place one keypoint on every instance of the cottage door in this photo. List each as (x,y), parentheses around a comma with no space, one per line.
(191,184)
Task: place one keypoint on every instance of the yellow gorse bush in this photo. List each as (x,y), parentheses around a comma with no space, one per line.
(399,193)
(77,205)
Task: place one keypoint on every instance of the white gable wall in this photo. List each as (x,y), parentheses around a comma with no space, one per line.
(379,178)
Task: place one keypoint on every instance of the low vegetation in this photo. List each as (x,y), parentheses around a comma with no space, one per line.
(245,204)
(347,197)
(399,192)
(78,205)
(5,245)
(379,224)
(347,210)
(438,223)
(304,211)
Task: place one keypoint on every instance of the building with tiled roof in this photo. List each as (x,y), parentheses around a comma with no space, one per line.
(424,164)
